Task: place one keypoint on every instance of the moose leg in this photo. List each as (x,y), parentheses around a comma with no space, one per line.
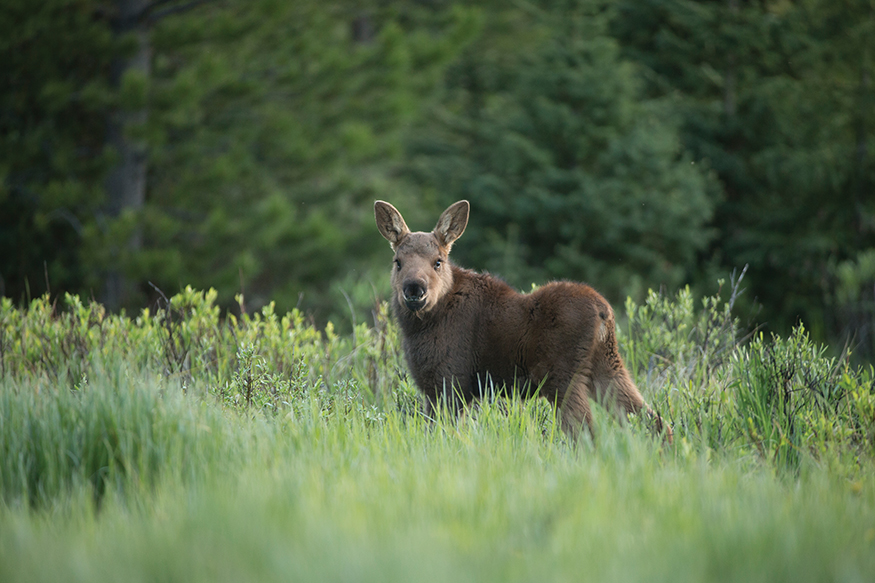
(448,398)
(615,391)
(574,411)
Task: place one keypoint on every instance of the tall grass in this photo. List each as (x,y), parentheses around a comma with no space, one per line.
(333,499)
(117,431)
(178,446)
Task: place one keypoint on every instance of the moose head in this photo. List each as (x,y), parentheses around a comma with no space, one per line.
(422,273)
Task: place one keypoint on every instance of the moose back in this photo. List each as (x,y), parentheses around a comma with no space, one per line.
(463,331)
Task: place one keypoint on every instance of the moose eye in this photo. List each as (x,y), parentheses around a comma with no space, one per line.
(437,264)
(397,265)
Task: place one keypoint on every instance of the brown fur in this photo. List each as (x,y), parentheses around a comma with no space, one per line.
(463,330)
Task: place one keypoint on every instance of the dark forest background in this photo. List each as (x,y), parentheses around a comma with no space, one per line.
(632,144)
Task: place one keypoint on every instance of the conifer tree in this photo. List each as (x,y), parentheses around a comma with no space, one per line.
(793,153)
(572,173)
(249,133)
(53,87)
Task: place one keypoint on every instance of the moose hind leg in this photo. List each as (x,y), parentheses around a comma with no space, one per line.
(574,410)
(615,391)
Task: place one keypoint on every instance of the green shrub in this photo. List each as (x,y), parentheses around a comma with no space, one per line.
(668,341)
(776,400)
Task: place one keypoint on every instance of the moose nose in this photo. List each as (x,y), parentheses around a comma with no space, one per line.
(413,291)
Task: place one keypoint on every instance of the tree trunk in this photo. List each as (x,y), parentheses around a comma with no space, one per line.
(860,189)
(126,181)
(729,98)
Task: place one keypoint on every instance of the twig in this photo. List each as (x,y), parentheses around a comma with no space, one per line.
(735,283)
(151,15)
(46,273)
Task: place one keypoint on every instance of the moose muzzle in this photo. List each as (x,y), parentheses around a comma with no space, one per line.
(414,295)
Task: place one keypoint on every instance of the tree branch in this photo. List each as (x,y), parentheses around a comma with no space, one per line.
(152,6)
(154,11)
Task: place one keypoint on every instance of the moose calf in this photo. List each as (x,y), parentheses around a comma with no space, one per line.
(462,330)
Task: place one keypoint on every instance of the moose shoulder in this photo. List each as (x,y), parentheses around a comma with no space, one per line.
(463,330)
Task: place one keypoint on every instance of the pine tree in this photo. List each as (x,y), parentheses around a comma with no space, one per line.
(54,89)
(571,172)
(275,126)
(232,145)
(777,98)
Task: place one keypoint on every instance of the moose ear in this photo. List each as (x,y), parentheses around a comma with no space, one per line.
(390,223)
(452,223)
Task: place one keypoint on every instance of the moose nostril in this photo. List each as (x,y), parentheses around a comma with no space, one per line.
(413,291)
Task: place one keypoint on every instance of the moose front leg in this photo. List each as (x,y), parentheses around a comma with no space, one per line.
(449,396)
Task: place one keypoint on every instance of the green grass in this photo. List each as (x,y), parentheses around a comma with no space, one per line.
(116,466)
(346,499)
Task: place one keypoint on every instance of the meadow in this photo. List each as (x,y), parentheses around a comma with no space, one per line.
(183,445)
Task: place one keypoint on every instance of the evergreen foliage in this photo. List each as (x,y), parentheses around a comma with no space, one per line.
(777,99)
(573,174)
(275,128)
(629,144)
(54,89)
(269,127)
